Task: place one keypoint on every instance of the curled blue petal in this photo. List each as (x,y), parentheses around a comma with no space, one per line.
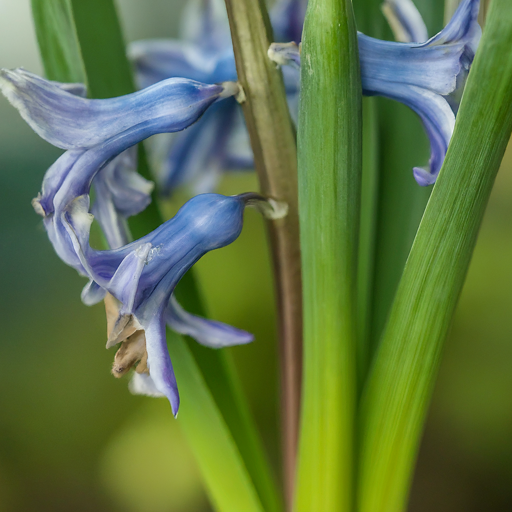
(436,115)
(71,122)
(99,130)
(463,26)
(141,277)
(207,332)
(159,363)
(405,21)
(120,193)
(431,67)
(427,77)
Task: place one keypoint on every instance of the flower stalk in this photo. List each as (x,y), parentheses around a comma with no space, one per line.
(273,143)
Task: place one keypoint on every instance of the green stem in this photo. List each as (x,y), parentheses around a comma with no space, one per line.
(273,143)
(329,143)
(398,391)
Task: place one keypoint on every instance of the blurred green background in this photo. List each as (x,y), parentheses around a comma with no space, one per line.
(73,438)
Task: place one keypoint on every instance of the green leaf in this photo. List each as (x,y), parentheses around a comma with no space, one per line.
(227,479)
(329,155)
(367,234)
(396,399)
(102,47)
(77,35)
(58,42)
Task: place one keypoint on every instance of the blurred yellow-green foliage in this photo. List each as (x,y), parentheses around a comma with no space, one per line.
(73,438)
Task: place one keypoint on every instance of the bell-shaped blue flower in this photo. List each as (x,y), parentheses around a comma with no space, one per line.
(95,132)
(205,53)
(423,76)
(140,279)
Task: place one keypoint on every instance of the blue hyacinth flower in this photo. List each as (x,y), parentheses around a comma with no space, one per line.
(220,140)
(95,132)
(100,136)
(140,278)
(427,77)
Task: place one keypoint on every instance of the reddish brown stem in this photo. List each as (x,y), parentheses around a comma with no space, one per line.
(275,156)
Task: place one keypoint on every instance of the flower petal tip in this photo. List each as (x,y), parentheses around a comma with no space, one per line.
(423,177)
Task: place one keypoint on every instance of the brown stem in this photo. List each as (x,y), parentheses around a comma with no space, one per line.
(275,156)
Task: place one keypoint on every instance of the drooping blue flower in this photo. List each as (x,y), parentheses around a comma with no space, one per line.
(423,76)
(205,53)
(136,279)
(95,132)
(140,279)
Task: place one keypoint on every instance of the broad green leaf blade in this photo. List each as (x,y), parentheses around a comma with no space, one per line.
(90,37)
(102,47)
(398,392)
(228,482)
(225,387)
(58,41)
(368,234)
(329,155)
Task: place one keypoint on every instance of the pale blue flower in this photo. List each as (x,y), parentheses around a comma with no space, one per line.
(136,279)
(95,132)
(141,277)
(423,76)
(220,141)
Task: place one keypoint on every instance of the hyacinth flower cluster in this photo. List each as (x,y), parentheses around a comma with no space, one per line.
(219,141)
(427,77)
(136,279)
(362,309)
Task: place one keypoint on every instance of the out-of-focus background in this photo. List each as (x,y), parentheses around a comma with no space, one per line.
(73,438)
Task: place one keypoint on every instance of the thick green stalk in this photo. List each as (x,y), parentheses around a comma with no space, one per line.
(396,399)
(329,153)
(275,157)
(82,41)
